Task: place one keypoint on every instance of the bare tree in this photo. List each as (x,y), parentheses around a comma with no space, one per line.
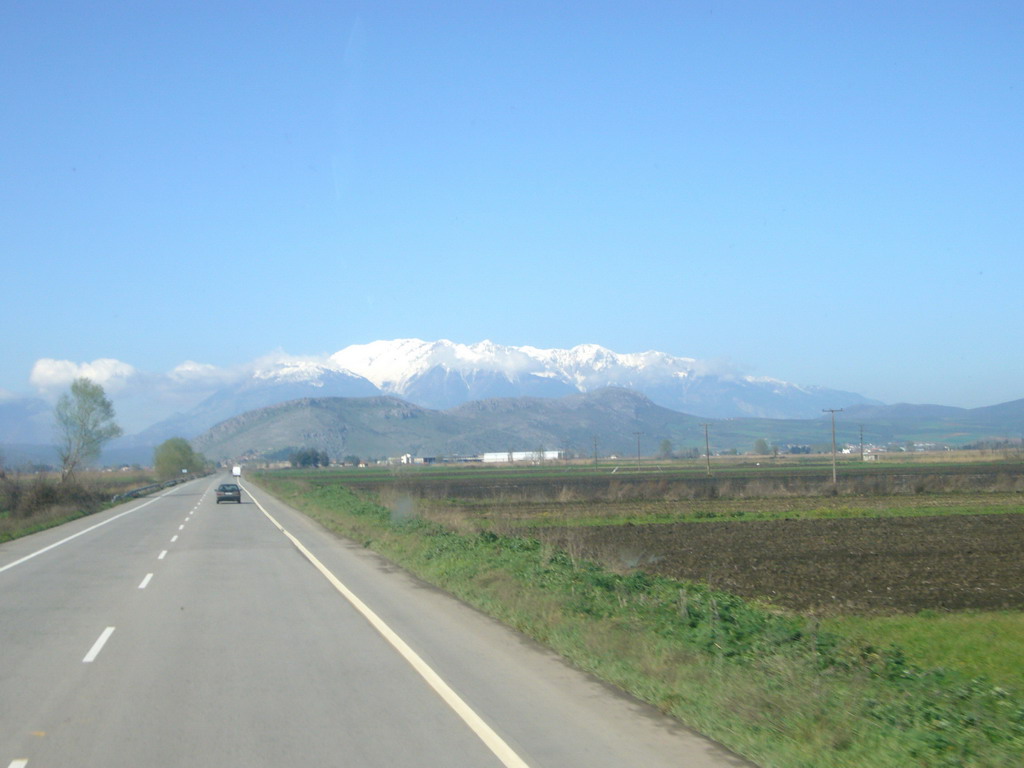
(85,421)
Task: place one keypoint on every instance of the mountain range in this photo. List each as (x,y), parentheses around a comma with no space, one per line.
(443,374)
(611,420)
(440,376)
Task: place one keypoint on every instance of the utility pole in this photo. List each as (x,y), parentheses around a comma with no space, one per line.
(833,411)
(638,450)
(707,448)
(595,450)
(862,442)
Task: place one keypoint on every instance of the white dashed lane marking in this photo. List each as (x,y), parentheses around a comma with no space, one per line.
(98,646)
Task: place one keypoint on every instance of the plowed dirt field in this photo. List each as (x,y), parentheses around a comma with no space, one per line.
(877,565)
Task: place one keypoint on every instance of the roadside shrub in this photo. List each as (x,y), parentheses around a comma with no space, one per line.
(10,495)
(40,494)
(29,504)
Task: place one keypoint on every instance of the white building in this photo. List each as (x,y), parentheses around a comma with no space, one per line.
(507,456)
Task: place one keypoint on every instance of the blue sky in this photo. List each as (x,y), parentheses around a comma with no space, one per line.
(825,193)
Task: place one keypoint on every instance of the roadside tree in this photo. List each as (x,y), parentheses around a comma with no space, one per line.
(174,455)
(85,422)
(309,457)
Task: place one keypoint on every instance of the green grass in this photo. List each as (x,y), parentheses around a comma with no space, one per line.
(13,528)
(975,643)
(529,514)
(779,689)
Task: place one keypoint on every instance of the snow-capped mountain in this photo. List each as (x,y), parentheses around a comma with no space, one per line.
(442,374)
(396,366)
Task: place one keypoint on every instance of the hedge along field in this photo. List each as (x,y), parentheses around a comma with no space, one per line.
(779,686)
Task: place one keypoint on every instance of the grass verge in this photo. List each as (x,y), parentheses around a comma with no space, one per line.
(33,503)
(975,643)
(781,690)
(14,528)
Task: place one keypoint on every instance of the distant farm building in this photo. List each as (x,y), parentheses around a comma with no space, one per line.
(408,458)
(507,456)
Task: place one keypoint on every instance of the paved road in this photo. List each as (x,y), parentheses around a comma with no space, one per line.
(173,631)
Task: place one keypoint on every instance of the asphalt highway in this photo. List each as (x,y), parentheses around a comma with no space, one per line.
(174,631)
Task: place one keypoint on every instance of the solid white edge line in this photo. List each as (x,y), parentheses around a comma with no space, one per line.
(145,581)
(484,732)
(98,645)
(80,533)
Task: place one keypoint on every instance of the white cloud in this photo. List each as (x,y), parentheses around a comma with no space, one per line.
(193,374)
(49,374)
(719,366)
(190,369)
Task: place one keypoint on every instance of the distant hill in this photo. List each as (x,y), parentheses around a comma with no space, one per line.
(1009,416)
(382,426)
(387,426)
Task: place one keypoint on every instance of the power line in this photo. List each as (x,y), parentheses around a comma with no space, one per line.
(707,448)
(834,411)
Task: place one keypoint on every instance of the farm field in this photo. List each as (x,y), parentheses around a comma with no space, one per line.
(765,534)
(873,565)
(894,538)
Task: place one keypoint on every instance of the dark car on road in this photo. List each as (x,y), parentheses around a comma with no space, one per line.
(229,492)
